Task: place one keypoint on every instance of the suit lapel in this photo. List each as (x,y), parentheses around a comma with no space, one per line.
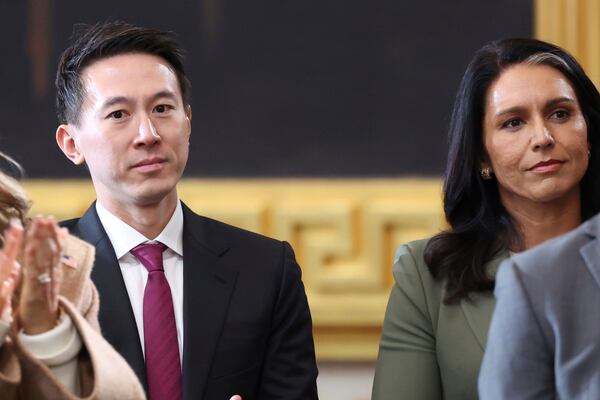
(478,311)
(116,318)
(208,285)
(590,252)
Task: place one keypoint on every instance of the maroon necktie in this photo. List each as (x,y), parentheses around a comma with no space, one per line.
(163,368)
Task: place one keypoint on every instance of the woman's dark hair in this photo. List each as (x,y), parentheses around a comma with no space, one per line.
(480,226)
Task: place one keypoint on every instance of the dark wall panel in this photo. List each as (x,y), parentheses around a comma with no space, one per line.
(280,87)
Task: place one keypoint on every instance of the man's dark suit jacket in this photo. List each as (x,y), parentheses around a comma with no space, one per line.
(247,325)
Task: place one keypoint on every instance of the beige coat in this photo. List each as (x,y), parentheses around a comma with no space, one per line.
(104,374)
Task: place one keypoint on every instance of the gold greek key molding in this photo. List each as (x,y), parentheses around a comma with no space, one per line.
(573,25)
(344,233)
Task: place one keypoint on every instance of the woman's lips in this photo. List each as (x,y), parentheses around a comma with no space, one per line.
(547,166)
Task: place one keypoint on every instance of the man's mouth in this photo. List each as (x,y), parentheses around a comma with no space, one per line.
(149,164)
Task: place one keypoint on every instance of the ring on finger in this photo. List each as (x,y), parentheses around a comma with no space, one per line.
(44,278)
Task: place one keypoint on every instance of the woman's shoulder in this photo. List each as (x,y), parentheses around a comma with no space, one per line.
(410,258)
(77,262)
(78,254)
(415,249)
(411,272)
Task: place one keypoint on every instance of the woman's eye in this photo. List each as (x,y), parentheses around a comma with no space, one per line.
(512,123)
(561,114)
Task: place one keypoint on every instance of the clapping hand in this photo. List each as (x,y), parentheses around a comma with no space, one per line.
(42,276)
(9,268)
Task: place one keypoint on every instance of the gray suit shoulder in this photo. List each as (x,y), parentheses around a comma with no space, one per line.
(551,255)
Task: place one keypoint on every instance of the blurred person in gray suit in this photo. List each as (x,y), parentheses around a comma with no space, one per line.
(544,339)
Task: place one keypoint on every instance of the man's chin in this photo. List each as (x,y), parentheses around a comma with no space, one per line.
(154,194)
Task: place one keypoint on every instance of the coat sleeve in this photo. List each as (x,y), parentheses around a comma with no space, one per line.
(104,374)
(289,369)
(517,363)
(407,365)
(10,370)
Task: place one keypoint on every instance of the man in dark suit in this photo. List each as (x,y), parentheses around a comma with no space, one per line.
(199,309)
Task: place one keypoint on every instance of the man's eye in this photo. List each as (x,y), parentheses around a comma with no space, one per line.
(116,114)
(162,108)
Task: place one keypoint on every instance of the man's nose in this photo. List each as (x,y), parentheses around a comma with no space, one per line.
(147,133)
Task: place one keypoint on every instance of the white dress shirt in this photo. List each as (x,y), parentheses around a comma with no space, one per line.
(124,238)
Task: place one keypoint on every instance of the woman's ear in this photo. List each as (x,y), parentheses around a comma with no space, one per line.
(68,144)
(589,153)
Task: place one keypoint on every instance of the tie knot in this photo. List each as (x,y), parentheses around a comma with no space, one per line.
(150,255)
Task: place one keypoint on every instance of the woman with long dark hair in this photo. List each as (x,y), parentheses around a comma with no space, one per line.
(522,168)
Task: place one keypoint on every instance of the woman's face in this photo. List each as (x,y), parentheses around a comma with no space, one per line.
(535,135)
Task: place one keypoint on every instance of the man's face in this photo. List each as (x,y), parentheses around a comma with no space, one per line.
(134,129)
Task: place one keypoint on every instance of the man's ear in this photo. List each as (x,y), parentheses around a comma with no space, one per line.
(67,143)
(188,113)
(188,116)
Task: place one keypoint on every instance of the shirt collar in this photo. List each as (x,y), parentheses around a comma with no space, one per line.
(124,238)
(172,235)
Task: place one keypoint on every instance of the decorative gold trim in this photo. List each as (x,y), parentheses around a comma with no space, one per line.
(573,25)
(344,233)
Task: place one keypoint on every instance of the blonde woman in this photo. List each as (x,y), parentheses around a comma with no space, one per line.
(50,345)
